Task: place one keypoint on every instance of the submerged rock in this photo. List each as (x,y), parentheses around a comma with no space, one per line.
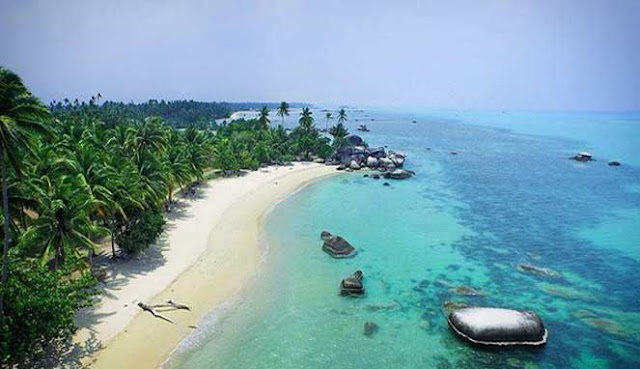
(376,176)
(531,269)
(387,184)
(604,324)
(381,307)
(338,247)
(468,291)
(352,286)
(324,235)
(614,163)
(501,327)
(370,328)
(451,306)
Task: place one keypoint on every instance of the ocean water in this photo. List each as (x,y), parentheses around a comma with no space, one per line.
(509,196)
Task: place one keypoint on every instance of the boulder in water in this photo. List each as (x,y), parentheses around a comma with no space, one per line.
(352,286)
(376,176)
(500,327)
(399,174)
(582,156)
(397,158)
(614,163)
(338,247)
(324,235)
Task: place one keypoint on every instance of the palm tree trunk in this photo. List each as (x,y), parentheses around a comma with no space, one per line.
(7,235)
(113,243)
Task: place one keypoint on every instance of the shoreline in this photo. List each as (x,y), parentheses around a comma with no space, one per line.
(222,229)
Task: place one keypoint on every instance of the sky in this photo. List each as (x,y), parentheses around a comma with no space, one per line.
(493,54)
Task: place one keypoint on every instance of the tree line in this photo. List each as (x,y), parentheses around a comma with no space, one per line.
(177,113)
(76,175)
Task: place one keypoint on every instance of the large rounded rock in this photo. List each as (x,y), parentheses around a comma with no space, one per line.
(338,247)
(397,158)
(372,162)
(352,285)
(354,140)
(385,162)
(354,165)
(500,327)
(376,152)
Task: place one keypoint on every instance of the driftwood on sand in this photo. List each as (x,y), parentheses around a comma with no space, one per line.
(168,306)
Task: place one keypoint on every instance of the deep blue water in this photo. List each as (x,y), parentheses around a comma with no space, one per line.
(509,196)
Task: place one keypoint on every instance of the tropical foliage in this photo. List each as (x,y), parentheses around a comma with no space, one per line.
(75,175)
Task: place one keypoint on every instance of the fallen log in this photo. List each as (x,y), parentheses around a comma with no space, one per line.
(151,310)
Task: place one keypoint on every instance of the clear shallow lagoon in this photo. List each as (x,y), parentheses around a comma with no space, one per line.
(509,196)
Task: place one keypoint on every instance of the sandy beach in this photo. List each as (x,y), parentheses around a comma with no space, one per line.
(207,253)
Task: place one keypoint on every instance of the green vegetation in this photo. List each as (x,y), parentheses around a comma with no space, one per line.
(77,174)
(179,113)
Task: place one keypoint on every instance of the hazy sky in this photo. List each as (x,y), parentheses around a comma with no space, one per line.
(538,54)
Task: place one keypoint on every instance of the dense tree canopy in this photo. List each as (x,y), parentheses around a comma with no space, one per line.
(76,174)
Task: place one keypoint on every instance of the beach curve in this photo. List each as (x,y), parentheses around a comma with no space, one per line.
(222,231)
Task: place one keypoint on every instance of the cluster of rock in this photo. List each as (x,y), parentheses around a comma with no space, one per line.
(352,285)
(355,155)
(584,157)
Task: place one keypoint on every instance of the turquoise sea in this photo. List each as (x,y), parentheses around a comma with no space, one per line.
(510,196)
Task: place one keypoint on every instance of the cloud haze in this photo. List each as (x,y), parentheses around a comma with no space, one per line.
(454,54)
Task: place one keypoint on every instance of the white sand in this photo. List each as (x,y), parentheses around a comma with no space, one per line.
(210,249)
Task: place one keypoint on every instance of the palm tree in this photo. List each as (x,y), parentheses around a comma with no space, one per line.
(195,151)
(21,114)
(177,163)
(339,132)
(263,120)
(342,116)
(306,119)
(306,132)
(328,117)
(63,222)
(149,135)
(283,110)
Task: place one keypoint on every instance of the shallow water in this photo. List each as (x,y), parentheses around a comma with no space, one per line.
(508,197)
